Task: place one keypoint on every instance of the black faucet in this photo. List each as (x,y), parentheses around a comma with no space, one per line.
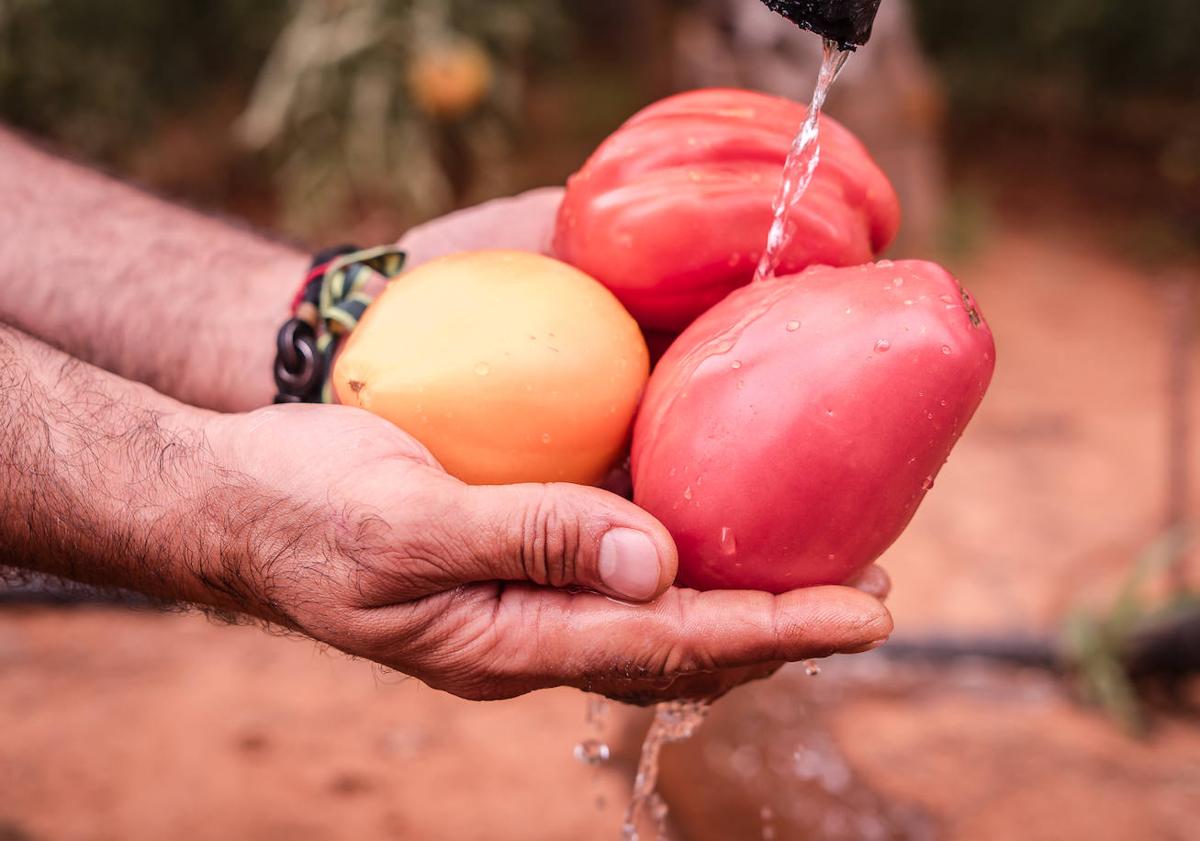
(847,22)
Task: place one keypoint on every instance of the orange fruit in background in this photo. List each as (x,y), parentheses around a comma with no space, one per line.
(450,80)
(509,366)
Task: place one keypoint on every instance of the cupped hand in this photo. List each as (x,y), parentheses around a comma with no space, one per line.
(354,535)
(522,223)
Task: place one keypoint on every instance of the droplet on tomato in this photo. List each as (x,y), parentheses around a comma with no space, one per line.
(927,485)
(483,369)
(728,542)
(883,346)
(793,326)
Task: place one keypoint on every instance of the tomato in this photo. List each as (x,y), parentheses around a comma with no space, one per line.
(788,436)
(508,366)
(672,211)
(450,80)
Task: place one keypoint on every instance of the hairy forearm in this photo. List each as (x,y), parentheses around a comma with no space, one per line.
(184,303)
(109,483)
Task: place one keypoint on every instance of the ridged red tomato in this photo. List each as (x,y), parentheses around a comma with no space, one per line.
(672,211)
(788,436)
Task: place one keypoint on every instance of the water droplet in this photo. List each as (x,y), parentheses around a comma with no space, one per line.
(728,542)
(849,310)
(767,815)
(908,303)
(693,176)
(546,438)
(734,260)
(897,281)
(483,369)
(883,346)
(725,346)
(885,264)
(592,752)
(687,492)
(737,363)
(927,485)
(811,668)
(793,326)
(947,299)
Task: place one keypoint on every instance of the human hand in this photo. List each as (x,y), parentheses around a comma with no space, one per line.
(340,525)
(522,223)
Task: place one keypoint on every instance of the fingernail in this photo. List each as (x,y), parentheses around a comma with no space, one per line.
(863,649)
(629,564)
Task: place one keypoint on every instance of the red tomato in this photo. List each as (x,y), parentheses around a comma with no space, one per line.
(788,436)
(672,211)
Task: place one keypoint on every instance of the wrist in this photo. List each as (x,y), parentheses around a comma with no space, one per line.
(255,536)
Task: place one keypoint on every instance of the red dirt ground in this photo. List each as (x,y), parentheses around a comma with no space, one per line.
(133,727)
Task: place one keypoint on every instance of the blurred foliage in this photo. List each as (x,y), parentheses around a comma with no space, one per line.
(1097,48)
(1100,645)
(1101,97)
(417,103)
(97,76)
(1111,68)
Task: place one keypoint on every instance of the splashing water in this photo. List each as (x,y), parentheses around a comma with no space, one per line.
(673,722)
(801,163)
(594,750)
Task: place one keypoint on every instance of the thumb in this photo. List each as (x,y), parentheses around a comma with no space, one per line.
(563,536)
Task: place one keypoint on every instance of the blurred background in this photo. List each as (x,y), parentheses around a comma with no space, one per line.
(1040,683)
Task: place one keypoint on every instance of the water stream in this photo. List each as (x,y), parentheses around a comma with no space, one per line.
(678,720)
(673,722)
(802,162)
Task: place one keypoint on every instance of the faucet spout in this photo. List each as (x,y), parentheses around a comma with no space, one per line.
(848,22)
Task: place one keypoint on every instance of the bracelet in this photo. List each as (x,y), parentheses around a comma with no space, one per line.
(326,308)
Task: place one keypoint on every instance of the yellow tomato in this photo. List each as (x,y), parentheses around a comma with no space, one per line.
(450,80)
(509,366)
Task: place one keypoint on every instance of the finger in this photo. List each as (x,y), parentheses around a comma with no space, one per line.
(874,581)
(524,223)
(580,638)
(557,536)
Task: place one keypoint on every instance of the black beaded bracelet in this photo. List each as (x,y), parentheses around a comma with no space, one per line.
(327,307)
